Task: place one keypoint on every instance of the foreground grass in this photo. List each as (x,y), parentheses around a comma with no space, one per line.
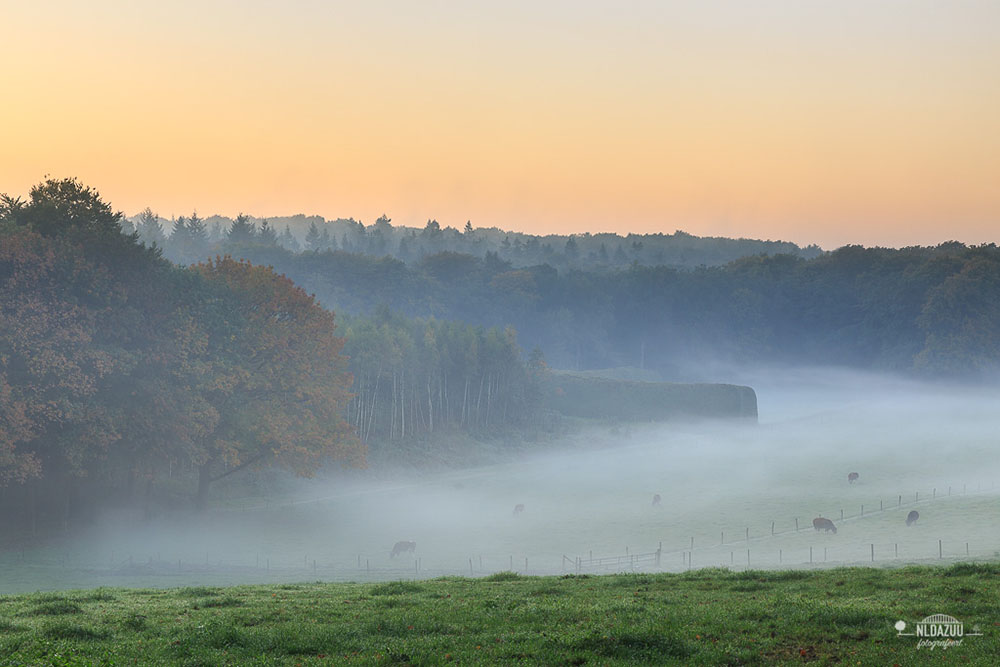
(712,617)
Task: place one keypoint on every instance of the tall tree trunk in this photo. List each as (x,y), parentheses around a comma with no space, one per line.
(479,400)
(392,424)
(430,406)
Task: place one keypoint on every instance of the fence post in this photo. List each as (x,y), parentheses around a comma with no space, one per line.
(873,553)
(732,557)
(471,573)
(722,538)
(748,533)
(779,556)
(368,565)
(526,565)
(900,502)
(940,551)
(966,548)
(824,554)
(896,545)
(810,555)
(748,558)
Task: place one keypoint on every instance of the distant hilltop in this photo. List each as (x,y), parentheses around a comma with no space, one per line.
(301,233)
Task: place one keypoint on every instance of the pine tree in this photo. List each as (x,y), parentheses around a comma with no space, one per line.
(313,238)
(149,228)
(180,233)
(288,241)
(266,236)
(242,230)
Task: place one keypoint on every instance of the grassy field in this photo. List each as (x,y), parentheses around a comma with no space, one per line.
(709,617)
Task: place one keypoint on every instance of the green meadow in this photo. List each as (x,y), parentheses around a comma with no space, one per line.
(707,617)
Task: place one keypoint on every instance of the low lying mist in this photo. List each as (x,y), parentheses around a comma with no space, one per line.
(730,494)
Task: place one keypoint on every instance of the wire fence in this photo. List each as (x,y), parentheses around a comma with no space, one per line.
(761,546)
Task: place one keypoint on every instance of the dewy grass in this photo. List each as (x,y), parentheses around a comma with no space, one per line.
(704,617)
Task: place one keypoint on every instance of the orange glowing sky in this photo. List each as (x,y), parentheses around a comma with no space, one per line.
(855,121)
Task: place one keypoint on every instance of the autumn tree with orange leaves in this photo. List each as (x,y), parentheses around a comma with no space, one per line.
(271,369)
(113,359)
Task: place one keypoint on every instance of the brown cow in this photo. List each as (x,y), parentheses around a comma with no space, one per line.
(656,499)
(824,524)
(400,547)
(852,477)
(518,509)
(912,517)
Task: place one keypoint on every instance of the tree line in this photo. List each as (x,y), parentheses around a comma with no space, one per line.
(688,303)
(186,239)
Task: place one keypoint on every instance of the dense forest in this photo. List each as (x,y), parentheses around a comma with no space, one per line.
(123,375)
(933,311)
(924,310)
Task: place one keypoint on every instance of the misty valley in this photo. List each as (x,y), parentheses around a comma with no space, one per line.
(184,446)
(724,488)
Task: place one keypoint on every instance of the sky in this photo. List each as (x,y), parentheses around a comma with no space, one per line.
(855,121)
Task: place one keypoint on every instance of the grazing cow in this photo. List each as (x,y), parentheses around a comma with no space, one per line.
(400,547)
(656,499)
(912,517)
(852,477)
(518,509)
(824,524)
